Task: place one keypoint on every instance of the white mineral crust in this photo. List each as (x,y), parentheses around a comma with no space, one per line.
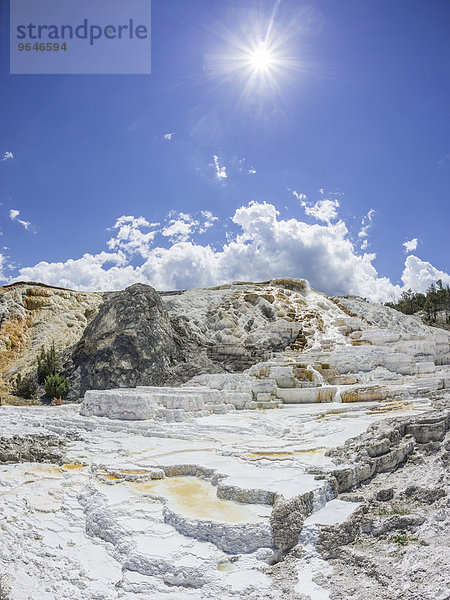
(198,491)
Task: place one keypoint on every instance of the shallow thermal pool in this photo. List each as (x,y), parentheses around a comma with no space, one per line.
(197,498)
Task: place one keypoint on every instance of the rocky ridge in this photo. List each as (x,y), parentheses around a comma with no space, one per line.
(140,337)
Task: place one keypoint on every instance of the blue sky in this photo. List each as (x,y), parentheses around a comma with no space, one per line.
(322,166)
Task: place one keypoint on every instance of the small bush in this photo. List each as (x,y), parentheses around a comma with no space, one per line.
(56,386)
(25,387)
(403,539)
(47,363)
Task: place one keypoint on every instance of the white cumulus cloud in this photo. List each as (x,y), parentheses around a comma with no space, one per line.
(3,265)
(322,210)
(129,238)
(411,245)
(259,245)
(103,271)
(209,220)
(419,274)
(180,228)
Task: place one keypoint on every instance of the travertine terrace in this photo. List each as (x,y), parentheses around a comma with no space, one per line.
(310,464)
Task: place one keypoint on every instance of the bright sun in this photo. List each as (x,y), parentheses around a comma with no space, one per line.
(261,59)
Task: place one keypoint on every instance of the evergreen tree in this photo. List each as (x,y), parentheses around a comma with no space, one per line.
(47,363)
(434,303)
(56,386)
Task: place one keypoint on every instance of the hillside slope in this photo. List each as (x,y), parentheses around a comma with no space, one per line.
(140,337)
(33,315)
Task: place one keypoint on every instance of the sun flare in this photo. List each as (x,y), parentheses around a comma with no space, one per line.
(261,58)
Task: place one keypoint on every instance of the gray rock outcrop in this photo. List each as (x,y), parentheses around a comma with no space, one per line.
(130,342)
(141,337)
(31,448)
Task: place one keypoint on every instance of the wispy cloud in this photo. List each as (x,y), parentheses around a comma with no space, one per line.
(209,220)
(366,223)
(300,197)
(244,167)
(221,171)
(13,215)
(7,156)
(411,245)
(445,160)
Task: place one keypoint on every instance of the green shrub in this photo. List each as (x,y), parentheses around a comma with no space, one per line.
(47,363)
(403,539)
(25,387)
(56,386)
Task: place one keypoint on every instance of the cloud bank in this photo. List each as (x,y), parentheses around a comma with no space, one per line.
(263,246)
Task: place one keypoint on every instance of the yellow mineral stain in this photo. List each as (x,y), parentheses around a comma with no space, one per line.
(271,454)
(133,472)
(73,466)
(196,498)
(110,476)
(50,469)
(331,414)
(283,455)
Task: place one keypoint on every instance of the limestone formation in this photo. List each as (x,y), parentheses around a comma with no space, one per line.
(173,480)
(35,315)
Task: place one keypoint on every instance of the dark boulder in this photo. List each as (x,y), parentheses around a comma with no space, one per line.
(130,342)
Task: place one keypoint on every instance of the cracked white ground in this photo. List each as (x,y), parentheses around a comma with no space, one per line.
(95,527)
